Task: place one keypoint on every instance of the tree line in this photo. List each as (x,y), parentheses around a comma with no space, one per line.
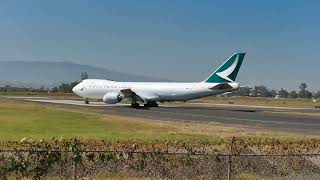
(256,91)
(263,91)
(62,88)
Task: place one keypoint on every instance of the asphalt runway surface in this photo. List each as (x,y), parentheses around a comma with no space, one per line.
(256,117)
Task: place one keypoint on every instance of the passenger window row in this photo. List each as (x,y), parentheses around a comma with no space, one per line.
(106,87)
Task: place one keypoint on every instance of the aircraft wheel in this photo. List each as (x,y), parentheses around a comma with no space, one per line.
(151,104)
(135,105)
(86,101)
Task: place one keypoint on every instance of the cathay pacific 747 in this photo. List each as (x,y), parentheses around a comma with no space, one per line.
(149,93)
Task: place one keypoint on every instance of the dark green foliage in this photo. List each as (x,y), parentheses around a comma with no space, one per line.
(304,93)
(316,95)
(63,88)
(22,89)
(244,91)
(283,93)
(66,87)
(293,94)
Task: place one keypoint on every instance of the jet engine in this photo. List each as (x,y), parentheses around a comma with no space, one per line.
(112,98)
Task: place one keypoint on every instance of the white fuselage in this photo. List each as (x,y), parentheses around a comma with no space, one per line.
(153,91)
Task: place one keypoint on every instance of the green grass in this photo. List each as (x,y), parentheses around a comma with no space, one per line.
(20,119)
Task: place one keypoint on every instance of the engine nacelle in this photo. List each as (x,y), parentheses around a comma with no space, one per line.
(112,98)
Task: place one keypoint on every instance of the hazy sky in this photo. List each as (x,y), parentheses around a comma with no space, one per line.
(179,40)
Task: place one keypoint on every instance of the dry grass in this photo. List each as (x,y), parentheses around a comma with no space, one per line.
(313,114)
(246,176)
(299,103)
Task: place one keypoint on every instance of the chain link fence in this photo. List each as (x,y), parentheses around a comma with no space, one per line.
(234,159)
(102,164)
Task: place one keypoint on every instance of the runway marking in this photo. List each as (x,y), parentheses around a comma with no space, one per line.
(239,119)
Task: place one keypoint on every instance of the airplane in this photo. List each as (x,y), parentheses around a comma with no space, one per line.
(149,93)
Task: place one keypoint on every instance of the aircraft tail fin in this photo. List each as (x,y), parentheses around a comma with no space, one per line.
(228,71)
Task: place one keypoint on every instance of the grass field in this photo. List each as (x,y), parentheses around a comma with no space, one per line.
(24,119)
(21,119)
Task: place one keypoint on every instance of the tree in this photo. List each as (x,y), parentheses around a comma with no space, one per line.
(42,89)
(261,91)
(272,93)
(303,86)
(308,94)
(243,91)
(84,75)
(316,95)
(293,94)
(67,87)
(283,93)
(254,92)
(302,92)
(54,90)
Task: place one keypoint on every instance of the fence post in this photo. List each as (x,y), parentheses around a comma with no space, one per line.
(61,169)
(74,170)
(229,158)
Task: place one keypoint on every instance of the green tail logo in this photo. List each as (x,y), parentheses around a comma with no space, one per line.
(228,71)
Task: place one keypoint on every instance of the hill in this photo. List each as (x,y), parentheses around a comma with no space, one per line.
(35,74)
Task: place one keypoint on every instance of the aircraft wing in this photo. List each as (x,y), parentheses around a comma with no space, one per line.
(138,95)
(128,93)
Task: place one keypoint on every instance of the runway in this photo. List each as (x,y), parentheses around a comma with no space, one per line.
(255,117)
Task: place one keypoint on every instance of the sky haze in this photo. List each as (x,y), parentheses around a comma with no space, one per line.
(181,40)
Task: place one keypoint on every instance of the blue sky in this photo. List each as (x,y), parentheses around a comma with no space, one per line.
(181,40)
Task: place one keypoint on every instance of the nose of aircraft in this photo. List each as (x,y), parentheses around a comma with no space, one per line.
(77,88)
(74,89)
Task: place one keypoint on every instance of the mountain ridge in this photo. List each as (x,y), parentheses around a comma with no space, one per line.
(49,74)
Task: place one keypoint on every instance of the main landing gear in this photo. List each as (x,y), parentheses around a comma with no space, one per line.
(151,104)
(134,104)
(86,101)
